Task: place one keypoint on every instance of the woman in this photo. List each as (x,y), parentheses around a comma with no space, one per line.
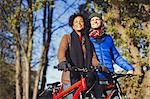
(75,50)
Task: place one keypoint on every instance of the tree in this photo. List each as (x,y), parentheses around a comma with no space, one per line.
(7,48)
(46,43)
(48,6)
(12,24)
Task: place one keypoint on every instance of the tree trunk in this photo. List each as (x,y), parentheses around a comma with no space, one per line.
(18,73)
(44,57)
(19,87)
(37,77)
(146,85)
(47,44)
(148,54)
(146,80)
(44,41)
(30,43)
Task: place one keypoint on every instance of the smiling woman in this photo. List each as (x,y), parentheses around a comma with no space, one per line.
(75,50)
(62,10)
(78,24)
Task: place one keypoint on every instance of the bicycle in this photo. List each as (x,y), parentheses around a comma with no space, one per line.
(57,91)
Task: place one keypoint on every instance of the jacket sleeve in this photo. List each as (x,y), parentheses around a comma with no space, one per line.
(119,60)
(61,55)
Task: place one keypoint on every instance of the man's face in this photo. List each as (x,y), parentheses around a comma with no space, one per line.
(78,23)
(95,22)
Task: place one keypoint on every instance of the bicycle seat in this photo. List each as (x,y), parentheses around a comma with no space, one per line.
(53,84)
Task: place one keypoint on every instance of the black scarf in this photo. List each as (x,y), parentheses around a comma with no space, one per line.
(76,53)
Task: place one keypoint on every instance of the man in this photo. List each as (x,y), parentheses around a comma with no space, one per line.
(75,50)
(106,52)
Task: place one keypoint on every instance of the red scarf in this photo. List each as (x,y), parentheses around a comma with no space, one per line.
(96,33)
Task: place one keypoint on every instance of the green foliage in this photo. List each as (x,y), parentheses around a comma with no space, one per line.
(37,5)
(138,36)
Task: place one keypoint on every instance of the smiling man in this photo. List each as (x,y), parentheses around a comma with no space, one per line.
(106,53)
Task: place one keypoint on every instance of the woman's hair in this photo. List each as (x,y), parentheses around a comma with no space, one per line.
(72,17)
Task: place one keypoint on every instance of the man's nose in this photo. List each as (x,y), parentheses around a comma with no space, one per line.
(95,21)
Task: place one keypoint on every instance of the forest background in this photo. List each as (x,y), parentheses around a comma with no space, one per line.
(31,30)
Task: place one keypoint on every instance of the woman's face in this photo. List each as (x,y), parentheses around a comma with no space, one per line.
(95,22)
(78,23)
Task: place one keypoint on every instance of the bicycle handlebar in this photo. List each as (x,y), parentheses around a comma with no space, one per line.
(77,69)
(95,68)
(116,76)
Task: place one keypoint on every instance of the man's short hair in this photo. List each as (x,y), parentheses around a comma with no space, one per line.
(72,17)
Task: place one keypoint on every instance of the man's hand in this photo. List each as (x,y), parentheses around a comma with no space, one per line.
(63,65)
(130,72)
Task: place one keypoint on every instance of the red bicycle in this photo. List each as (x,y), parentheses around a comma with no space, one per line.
(57,91)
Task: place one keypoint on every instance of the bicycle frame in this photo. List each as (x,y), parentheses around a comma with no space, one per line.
(81,85)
